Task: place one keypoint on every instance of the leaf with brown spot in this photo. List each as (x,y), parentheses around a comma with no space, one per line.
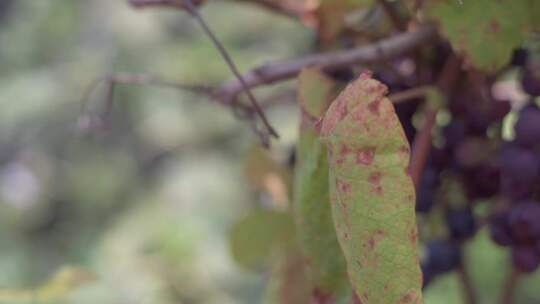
(485,31)
(311,200)
(374,215)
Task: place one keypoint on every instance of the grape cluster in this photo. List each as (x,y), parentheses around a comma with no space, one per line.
(518,225)
(471,164)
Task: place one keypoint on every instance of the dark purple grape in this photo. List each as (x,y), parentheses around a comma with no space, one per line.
(499,228)
(482,181)
(454,133)
(530,82)
(439,159)
(471,152)
(524,221)
(427,275)
(442,256)
(425,197)
(477,123)
(461,223)
(519,57)
(525,258)
(527,127)
(519,171)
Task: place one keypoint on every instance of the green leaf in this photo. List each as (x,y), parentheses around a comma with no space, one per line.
(485,31)
(372,194)
(312,212)
(258,236)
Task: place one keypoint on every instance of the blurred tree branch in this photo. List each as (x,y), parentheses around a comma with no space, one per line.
(283,70)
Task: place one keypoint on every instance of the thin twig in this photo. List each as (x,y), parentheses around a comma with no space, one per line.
(195,14)
(510,287)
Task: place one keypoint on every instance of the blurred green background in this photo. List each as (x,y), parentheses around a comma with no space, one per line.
(145,205)
(139,212)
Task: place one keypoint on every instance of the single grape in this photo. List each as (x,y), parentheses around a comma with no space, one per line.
(527,128)
(530,82)
(524,221)
(482,181)
(461,223)
(525,258)
(499,228)
(442,256)
(519,171)
(454,133)
(477,122)
(471,152)
(440,159)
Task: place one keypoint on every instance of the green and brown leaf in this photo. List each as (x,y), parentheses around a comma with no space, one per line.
(372,195)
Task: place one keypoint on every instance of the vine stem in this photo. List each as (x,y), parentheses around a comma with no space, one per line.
(422,143)
(510,287)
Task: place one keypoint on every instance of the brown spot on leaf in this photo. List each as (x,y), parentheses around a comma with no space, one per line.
(413,236)
(320,297)
(364,156)
(344,150)
(358,116)
(343,186)
(375,181)
(341,110)
(494,27)
(375,238)
(407,298)
(374,107)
